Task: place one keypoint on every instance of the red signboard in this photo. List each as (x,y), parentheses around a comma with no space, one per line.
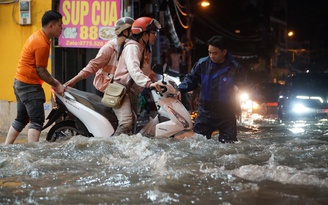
(88,23)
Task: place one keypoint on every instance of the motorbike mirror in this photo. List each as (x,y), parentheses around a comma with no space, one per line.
(157,68)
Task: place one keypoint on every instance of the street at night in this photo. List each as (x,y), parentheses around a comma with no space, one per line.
(280,156)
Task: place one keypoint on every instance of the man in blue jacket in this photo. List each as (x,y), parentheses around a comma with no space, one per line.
(219,76)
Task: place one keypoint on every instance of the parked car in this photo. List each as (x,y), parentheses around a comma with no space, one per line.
(304,97)
(261,99)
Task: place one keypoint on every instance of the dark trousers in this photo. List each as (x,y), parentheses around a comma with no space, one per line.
(227,127)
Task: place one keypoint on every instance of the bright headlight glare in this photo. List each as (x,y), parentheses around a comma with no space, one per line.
(300,108)
(317,98)
(246,105)
(243,96)
(255,105)
(304,97)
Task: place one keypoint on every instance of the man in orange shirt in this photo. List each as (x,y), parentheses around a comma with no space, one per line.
(30,75)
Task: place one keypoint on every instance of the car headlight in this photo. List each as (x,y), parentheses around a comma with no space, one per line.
(300,108)
(243,97)
(245,102)
(310,97)
(255,105)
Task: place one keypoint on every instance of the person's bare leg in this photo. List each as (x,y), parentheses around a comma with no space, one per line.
(11,136)
(33,135)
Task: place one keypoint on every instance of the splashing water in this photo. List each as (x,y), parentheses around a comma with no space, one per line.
(270,165)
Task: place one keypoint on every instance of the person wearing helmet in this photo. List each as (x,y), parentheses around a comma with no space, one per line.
(133,69)
(104,64)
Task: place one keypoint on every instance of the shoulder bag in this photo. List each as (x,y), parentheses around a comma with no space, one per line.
(114,94)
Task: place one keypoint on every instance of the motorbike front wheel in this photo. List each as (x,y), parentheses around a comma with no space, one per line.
(62,130)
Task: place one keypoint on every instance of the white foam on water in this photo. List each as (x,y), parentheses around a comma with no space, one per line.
(279,173)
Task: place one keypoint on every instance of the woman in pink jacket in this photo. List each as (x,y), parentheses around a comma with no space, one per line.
(133,69)
(104,64)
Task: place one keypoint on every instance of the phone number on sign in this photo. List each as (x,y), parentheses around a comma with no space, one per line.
(84,43)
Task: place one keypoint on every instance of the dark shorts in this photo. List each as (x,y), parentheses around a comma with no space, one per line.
(30,101)
(227,127)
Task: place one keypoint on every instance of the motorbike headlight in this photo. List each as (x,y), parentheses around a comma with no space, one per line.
(181,119)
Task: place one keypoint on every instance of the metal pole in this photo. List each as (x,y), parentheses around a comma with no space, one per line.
(189,45)
(158,42)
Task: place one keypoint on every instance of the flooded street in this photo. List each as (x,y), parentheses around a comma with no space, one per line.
(272,164)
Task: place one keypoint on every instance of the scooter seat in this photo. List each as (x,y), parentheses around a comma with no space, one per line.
(93,102)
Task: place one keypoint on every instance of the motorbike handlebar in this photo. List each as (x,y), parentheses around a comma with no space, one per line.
(163,88)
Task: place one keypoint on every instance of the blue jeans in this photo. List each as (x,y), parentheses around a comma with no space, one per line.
(30,99)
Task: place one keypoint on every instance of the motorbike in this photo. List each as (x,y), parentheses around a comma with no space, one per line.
(82,113)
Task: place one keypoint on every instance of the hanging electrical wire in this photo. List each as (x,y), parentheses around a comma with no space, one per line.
(8,1)
(215,26)
(13,12)
(180,7)
(176,7)
(14,2)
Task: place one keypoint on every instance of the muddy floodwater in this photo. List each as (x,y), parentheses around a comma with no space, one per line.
(272,164)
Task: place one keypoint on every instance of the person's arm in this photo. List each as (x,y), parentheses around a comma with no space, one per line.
(103,57)
(131,58)
(46,77)
(191,80)
(146,68)
(153,76)
(41,55)
(74,80)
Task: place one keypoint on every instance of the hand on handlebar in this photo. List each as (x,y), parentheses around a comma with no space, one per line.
(157,86)
(179,95)
(60,89)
